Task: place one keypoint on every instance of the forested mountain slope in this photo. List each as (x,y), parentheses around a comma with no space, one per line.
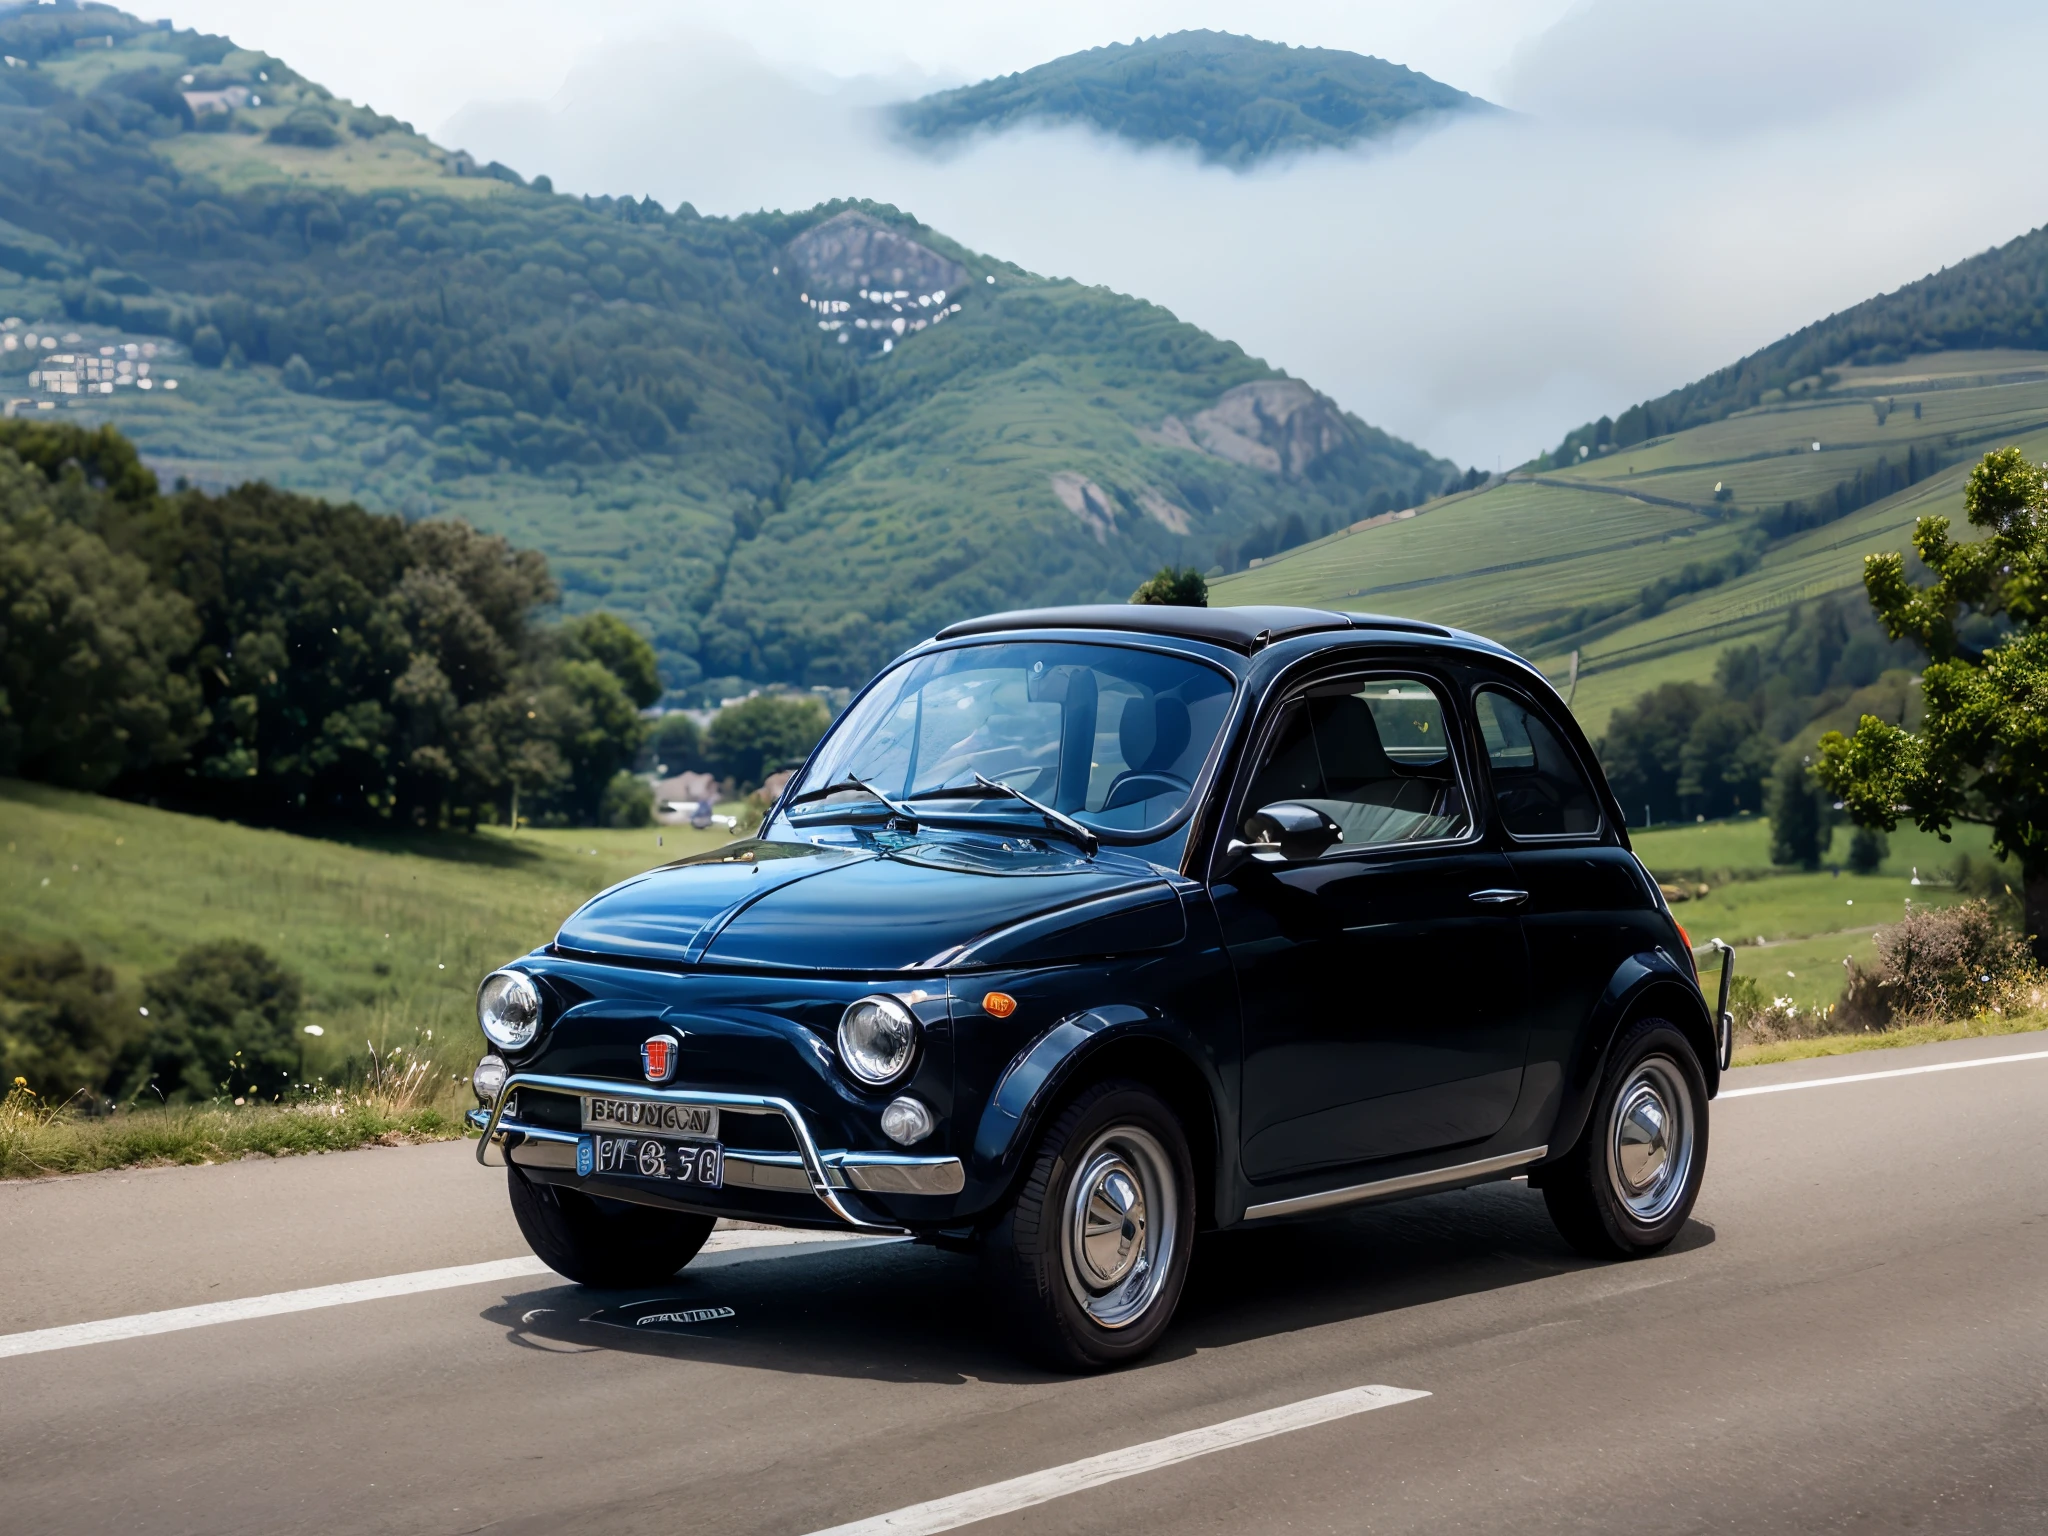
(786,445)
(1236,100)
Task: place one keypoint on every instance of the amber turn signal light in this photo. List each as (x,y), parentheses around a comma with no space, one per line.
(1001,1004)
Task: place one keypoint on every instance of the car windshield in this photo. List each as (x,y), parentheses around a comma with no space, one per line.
(1110,735)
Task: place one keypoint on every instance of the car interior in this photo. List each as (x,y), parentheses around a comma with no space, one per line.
(1332,754)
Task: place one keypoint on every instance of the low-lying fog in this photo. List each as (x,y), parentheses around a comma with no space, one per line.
(1680,181)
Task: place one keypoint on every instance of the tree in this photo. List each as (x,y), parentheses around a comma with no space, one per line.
(1174,586)
(1799,816)
(93,679)
(605,638)
(223,1021)
(1724,762)
(751,739)
(676,744)
(1868,850)
(1982,753)
(1644,748)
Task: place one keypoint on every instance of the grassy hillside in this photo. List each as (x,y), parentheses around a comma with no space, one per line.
(391,937)
(1996,300)
(1235,99)
(704,423)
(1549,561)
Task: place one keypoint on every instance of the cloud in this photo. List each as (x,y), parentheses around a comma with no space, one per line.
(1681,184)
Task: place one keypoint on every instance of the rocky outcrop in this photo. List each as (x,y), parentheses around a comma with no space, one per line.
(1098,508)
(1087,501)
(851,251)
(1280,426)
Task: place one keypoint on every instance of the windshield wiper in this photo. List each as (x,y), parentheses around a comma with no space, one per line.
(850,782)
(1058,819)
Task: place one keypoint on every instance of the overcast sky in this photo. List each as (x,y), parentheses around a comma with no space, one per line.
(1682,181)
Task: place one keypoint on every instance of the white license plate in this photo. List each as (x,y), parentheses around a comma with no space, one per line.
(650,1116)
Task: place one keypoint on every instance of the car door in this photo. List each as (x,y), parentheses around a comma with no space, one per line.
(1588,906)
(1382,987)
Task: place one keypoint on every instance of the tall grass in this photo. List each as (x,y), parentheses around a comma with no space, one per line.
(398,1094)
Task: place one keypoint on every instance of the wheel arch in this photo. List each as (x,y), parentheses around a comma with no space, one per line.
(1646,985)
(1116,1041)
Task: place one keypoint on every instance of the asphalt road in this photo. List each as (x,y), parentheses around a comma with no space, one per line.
(1852,1335)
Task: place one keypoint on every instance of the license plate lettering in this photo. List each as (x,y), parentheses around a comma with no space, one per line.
(696,1163)
(650,1115)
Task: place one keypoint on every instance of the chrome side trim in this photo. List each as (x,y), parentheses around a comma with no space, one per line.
(808,1169)
(1405,1184)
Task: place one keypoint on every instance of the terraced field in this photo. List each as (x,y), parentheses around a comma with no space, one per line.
(1521,559)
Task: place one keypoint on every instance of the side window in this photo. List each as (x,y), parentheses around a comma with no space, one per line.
(1374,756)
(1537,783)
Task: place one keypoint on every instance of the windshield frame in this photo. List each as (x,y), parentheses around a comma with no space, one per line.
(1201,784)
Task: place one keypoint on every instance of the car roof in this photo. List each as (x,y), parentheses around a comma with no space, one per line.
(1246,630)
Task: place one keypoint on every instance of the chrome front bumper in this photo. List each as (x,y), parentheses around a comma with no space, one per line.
(808,1170)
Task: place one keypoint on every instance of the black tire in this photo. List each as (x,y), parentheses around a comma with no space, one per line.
(608,1244)
(1081,1291)
(1627,1188)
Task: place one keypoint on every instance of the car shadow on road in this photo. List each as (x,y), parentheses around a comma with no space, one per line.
(906,1312)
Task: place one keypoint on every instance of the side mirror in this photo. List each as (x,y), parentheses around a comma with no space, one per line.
(1287,833)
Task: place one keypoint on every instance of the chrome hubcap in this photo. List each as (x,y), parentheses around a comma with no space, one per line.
(1119,1226)
(1650,1140)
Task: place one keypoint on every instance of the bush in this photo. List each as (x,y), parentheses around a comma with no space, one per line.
(62,1020)
(628,802)
(1941,964)
(223,1021)
(308,127)
(750,740)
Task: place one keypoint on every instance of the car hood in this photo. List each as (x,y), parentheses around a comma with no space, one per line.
(881,904)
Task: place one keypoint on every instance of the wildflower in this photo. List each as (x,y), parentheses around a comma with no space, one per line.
(21,1082)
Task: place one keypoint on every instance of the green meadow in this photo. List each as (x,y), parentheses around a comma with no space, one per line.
(390,936)
(1793,929)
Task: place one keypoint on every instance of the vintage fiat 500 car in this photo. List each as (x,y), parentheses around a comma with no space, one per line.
(1087,929)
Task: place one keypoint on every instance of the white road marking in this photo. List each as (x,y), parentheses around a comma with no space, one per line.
(1056,1482)
(313,1298)
(1871,1077)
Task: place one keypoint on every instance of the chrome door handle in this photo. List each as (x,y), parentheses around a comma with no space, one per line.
(1501,898)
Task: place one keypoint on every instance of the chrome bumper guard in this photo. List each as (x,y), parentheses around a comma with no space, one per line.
(807,1170)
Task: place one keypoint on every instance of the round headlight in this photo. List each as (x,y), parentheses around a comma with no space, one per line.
(877,1038)
(508,1008)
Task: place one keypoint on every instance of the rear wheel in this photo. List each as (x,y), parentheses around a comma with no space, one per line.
(1089,1260)
(609,1244)
(1628,1186)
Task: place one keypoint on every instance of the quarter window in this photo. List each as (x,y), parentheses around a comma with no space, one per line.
(1537,783)
(1374,756)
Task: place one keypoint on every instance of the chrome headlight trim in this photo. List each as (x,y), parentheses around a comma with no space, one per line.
(508,1009)
(487,1080)
(877,1040)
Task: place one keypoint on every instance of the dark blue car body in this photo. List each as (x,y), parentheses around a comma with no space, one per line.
(1327,1031)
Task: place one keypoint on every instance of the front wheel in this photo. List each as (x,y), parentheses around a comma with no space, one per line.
(609,1244)
(1089,1260)
(1627,1188)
